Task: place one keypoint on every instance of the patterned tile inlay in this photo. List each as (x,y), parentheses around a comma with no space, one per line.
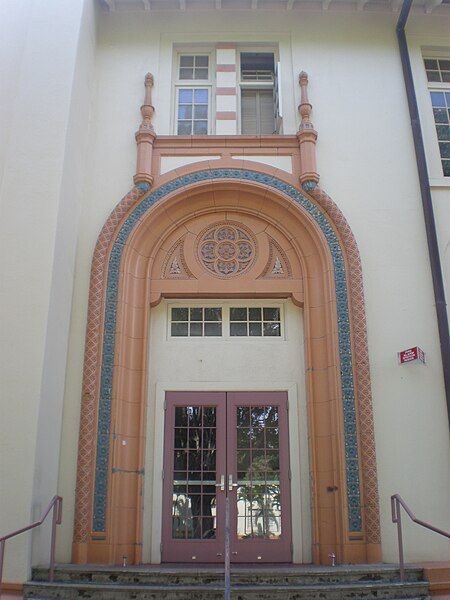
(346,367)
(368,460)
(92,355)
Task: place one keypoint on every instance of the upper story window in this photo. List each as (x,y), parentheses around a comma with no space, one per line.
(194,66)
(257,66)
(226,90)
(258,84)
(193,94)
(438,75)
(193,111)
(438,70)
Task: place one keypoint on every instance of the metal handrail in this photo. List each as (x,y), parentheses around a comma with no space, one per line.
(397,502)
(56,505)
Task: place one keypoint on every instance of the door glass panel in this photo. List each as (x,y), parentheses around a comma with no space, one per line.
(194,463)
(258,477)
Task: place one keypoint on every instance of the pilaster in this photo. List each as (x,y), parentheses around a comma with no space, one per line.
(307,137)
(145,136)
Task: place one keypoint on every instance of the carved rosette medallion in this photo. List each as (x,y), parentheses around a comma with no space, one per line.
(226,249)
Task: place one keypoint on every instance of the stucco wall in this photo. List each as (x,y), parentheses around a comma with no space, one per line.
(47,119)
(366,161)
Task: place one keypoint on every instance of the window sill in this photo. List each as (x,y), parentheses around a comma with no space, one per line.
(253,141)
(440,182)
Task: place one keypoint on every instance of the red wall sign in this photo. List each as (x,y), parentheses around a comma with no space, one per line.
(415,354)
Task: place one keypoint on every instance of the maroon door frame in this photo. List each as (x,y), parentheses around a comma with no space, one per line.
(260,550)
(254,550)
(204,550)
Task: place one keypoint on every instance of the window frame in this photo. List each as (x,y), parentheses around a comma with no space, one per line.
(177,102)
(194,55)
(254,85)
(208,84)
(440,87)
(226,305)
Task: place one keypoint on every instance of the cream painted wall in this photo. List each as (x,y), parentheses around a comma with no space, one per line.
(366,161)
(168,163)
(14,22)
(47,461)
(41,194)
(227,364)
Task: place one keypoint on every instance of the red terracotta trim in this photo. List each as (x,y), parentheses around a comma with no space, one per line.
(225,91)
(362,370)
(92,360)
(226,68)
(237,142)
(12,587)
(226,115)
(93,352)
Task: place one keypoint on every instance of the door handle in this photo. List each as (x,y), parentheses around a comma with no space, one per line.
(231,485)
(221,485)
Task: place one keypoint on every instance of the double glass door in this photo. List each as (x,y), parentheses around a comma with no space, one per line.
(220,444)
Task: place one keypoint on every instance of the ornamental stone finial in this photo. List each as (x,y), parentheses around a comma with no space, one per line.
(145,136)
(307,137)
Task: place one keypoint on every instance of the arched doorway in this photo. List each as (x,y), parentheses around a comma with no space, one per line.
(300,253)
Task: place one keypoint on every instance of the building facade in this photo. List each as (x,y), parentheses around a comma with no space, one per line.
(227,322)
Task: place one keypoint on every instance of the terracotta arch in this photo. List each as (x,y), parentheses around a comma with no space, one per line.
(319,243)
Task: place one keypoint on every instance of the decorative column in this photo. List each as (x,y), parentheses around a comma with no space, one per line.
(145,137)
(307,137)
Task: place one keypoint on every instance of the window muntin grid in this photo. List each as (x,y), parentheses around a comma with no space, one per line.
(440,101)
(193,67)
(194,473)
(258,472)
(192,111)
(255,321)
(187,321)
(438,70)
(196,321)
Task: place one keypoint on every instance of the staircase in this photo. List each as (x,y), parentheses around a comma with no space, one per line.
(274,582)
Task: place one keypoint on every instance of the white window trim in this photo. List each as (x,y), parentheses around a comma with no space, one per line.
(225,305)
(436,86)
(193,87)
(180,55)
(178,83)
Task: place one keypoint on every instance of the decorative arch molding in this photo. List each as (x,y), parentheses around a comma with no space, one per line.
(352,514)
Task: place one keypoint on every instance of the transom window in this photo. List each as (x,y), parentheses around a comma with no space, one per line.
(255,321)
(438,75)
(438,70)
(194,67)
(196,321)
(227,321)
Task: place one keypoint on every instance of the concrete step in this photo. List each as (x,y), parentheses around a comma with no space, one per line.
(240,574)
(348,591)
(249,582)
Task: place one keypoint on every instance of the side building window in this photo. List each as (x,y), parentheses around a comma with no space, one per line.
(438,75)
(193,94)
